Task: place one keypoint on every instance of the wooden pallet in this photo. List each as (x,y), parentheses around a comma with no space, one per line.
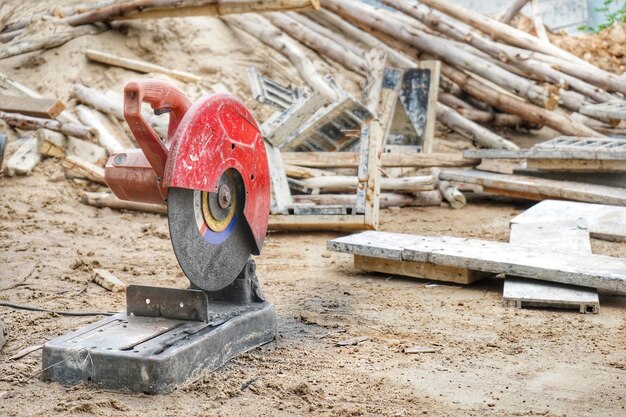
(603,221)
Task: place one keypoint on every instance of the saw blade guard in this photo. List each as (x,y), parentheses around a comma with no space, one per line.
(218,134)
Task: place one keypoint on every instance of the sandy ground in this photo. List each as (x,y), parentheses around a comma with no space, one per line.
(493,360)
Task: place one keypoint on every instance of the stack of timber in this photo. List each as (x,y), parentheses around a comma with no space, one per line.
(337,156)
(572,168)
(489,74)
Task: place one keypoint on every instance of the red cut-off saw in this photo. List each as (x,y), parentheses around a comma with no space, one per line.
(212,173)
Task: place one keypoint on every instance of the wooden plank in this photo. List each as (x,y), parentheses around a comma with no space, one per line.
(56,145)
(294,171)
(604,221)
(107,199)
(329,129)
(50,143)
(362,171)
(577,165)
(502,166)
(376,60)
(138,65)
(545,153)
(342,183)
(537,188)
(519,292)
(108,281)
(162,9)
(386,200)
(374,244)
(31,106)
(594,271)
(280,193)
(568,235)
(417,270)
(77,168)
(281,124)
(610,179)
(434,68)
(373,184)
(388,160)
(94,119)
(25,158)
(342,223)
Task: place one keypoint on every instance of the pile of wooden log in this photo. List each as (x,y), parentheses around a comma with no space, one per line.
(492,74)
(482,75)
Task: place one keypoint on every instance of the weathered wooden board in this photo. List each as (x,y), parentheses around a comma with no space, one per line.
(417,270)
(610,179)
(326,127)
(414,116)
(594,271)
(78,168)
(347,223)
(577,165)
(537,188)
(521,293)
(374,244)
(280,193)
(31,106)
(569,236)
(382,252)
(388,160)
(25,158)
(502,166)
(604,221)
(107,280)
(267,91)
(617,154)
(281,124)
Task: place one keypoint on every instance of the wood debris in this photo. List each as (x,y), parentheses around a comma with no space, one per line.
(108,281)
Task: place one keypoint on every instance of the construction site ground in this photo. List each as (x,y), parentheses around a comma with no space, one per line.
(486,359)
(493,360)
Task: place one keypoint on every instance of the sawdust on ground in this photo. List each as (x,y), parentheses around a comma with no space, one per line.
(493,360)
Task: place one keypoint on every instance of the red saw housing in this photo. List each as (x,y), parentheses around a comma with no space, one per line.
(204,139)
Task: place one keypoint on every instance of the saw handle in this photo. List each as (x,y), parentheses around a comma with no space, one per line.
(163,98)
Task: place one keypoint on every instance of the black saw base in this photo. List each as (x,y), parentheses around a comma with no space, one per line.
(166,337)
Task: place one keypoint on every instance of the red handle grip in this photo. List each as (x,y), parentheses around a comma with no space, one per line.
(163,98)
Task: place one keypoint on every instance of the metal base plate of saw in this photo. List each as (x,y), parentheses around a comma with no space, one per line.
(165,337)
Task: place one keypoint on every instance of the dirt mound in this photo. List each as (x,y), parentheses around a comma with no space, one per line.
(606,49)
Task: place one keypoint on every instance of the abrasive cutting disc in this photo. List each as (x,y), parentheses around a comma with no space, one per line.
(209,233)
